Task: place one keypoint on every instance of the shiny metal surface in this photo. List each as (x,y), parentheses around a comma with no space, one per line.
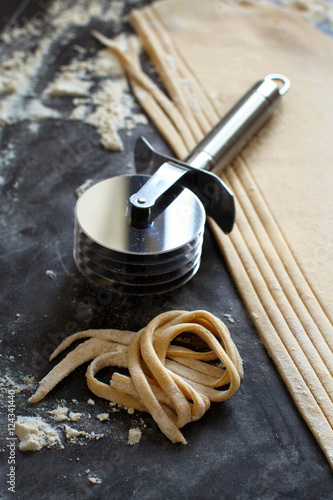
(114,254)
(104,213)
(162,188)
(240,124)
(131,289)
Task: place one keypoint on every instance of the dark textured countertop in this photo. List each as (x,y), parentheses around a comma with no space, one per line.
(255,445)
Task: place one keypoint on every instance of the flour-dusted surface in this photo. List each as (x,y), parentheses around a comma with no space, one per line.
(28,56)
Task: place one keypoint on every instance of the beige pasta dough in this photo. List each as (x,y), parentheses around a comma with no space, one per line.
(174,384)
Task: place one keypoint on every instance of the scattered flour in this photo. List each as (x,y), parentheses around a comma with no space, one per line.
(34,127)
(134,436)
(35,434)
(114,12)
(113,111)
(36,111)
(110,106)
(27,383)
(77,15)
(106,63)
(73,435)
(7,155)
(76,78)
(29,53)
(18,77)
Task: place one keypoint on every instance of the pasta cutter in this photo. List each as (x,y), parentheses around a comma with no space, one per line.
(143,234)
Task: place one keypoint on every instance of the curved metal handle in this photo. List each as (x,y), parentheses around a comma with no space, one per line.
(218,148)
(240,124)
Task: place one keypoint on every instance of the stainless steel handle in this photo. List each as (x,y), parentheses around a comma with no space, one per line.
(220,146)
(242,122)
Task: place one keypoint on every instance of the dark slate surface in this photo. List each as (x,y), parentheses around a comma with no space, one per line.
(254,446)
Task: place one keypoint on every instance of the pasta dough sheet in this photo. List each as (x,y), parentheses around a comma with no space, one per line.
(208,54)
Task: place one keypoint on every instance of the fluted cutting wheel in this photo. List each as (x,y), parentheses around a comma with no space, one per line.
(112,253)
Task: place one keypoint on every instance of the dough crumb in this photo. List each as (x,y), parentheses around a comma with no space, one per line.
(134,436)
(59,414)
(37,111)
(229,318)
(103,416)
(35,434)
(130,411)
(73,416)
(81,189)
(73,435)
(90,402)
(67,86)
(95,480)
(51,274)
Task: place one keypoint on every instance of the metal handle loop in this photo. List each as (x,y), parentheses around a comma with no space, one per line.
(286,82)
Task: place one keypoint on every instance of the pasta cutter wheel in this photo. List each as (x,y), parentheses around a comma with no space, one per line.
(140,234)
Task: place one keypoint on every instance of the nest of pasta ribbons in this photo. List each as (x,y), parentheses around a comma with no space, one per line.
(174,381)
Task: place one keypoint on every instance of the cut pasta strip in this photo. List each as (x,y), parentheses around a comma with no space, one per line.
(81,354)
(105,391)
(191,374)
(120,337)
(155,50)
(160,109)
(201,105)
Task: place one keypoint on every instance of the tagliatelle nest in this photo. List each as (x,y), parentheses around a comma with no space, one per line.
(174,384)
